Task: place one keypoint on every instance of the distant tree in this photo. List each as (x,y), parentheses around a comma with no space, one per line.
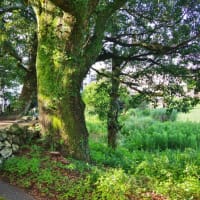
(151,48)
(18,49)
(97,99)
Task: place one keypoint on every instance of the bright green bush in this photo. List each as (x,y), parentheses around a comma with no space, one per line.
(114,184)
(184,190)
(96,98)
(78,190)
(155,170)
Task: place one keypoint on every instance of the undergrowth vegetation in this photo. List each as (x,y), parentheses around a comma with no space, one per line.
(155,159)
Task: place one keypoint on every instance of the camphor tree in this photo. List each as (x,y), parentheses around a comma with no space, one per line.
(18,49)
(151,48)
(70,37)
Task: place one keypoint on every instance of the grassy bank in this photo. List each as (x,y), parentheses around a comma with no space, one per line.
(154,160)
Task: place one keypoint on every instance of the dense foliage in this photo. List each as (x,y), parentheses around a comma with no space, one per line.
(18,45)
(96,98)
(157,38)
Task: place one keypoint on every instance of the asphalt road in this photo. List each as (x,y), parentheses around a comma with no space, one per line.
(10,192)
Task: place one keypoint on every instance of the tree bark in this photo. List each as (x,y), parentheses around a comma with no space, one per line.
(67,46)
(29,90)
(112,119)
(61,110)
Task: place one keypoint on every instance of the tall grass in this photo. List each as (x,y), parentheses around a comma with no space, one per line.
(151,132)
(160,158)
(161,136)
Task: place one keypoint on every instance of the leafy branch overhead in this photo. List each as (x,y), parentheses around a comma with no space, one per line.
(145,38)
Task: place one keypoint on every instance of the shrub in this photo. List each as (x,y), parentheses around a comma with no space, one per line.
(114,184)
(163,115)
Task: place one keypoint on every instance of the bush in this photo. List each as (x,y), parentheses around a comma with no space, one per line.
(172,173)
(163,115)
(96,98)
(114,184)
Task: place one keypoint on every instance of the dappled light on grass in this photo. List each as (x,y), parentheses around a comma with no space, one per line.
(193,115)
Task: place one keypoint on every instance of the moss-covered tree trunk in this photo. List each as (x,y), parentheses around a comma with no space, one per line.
(61,110)
(70,37)
(112,119)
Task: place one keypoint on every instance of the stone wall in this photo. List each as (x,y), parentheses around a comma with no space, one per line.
(12,138)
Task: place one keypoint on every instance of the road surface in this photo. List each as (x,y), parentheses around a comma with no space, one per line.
(10,192)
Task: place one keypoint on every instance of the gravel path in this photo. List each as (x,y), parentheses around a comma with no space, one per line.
(10,192)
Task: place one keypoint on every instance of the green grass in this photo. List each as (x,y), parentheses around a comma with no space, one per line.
(1,198)
(154,160)
(160,136)
(119,174)
(193,115)
(157,156)
(96,128)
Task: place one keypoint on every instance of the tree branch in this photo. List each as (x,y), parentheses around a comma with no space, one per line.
(12,52)
(155,48)
(10,9)
(101,73)
(94,42)
(106,55)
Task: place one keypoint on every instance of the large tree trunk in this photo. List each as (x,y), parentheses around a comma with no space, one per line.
(63,122)
(61,110)
(68,44)
(112,119)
